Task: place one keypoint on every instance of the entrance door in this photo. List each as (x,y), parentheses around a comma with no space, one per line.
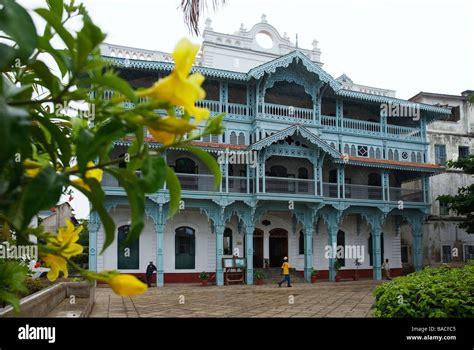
(185,248)
(258,248)
(278,246)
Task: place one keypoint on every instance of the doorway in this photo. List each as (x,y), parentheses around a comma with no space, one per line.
(278,246)
(258,248)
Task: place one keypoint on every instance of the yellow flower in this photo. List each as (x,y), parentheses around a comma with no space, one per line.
(56,263)
(126,285)
(179,88)
(90,174)
(66,239)
(166,130)
(32,168)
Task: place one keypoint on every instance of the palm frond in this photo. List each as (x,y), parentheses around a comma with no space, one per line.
(193,9)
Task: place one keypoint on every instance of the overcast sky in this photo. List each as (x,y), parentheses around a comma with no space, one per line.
(404,45)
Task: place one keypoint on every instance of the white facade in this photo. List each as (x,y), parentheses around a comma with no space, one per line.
(442,228)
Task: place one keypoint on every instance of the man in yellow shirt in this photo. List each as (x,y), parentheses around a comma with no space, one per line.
(286,272)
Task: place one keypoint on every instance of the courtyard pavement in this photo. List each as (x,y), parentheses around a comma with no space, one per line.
(321,299)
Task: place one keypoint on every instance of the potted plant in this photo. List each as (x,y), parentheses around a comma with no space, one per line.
(357,263)
(337,267)
(258,275)
(204,277)
(314,275)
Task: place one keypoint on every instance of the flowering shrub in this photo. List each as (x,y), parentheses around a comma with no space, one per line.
(48,146)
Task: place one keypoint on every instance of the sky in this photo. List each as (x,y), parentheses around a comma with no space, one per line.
(404,45)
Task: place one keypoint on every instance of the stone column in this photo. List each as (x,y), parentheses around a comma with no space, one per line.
(377,251)
(417,244)
(160,269)
(332,242)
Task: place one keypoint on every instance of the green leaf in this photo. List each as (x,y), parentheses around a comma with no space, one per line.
(53,19)
(154,173)
(136,199)
(43,192)
(60,139)
(58,55)
(209,160)
(174,188)
(97,198)
(57,7)
(7,53)
(112,81)
(50,81)
(17,23)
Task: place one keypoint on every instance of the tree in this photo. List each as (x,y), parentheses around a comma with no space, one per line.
(463,202)
(49,144)
(193,9)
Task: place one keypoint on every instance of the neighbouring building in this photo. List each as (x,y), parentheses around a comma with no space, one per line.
(443,240)
(56,217)
(331,169)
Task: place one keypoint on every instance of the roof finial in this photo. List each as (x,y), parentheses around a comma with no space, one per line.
(296,41)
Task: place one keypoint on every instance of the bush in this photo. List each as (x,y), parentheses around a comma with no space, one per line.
(432,292)
(258,275)
(203,275)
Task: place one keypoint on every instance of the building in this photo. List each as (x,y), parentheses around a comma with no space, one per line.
(452,138)
(56,217)
(327,166)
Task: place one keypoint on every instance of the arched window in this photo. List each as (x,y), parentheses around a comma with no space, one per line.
(371,152)
(395,155)
(233,138)
(346,149)
(390,154)
(413,157)
(353,151)
(227,241)
(185,248)
(371,257)
(341,242)
(418,157)
(128,255)
(377,153)
(241,139)
(185,166)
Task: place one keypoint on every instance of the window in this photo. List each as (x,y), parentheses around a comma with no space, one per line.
(443,208)
(446,253)
(341,242)
(455,114)
(233,138)
(227,241)
(241,139)
(128,256)
(440,154)
(185,248)
(301,243)
(468,252)
(185,166)
(362,151)
(463,152)
(404,253)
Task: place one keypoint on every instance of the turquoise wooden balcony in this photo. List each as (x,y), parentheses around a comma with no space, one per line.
(278,185)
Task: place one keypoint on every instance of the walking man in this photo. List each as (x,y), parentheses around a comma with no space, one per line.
(386,267)
(286,272)
(149,272)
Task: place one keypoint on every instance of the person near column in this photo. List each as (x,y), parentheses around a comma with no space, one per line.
(386,267)
(286,272)
(149,272)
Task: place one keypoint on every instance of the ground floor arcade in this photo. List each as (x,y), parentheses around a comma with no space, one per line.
(201,235)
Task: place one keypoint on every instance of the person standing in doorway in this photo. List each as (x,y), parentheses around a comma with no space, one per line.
(149,272)
(386,267)
(286,272)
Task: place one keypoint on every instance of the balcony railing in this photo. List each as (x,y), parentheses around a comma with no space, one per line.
(288,112)
(279,185)
(288,185)
(213,106)
(354,191)
(362,125)
(405,194)
(403,132)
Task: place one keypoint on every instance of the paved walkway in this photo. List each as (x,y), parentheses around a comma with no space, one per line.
(322,299)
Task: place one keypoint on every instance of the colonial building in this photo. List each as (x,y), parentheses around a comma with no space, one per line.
(443,240)
(328,165)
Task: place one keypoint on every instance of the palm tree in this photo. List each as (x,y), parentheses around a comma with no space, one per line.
(193,9)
